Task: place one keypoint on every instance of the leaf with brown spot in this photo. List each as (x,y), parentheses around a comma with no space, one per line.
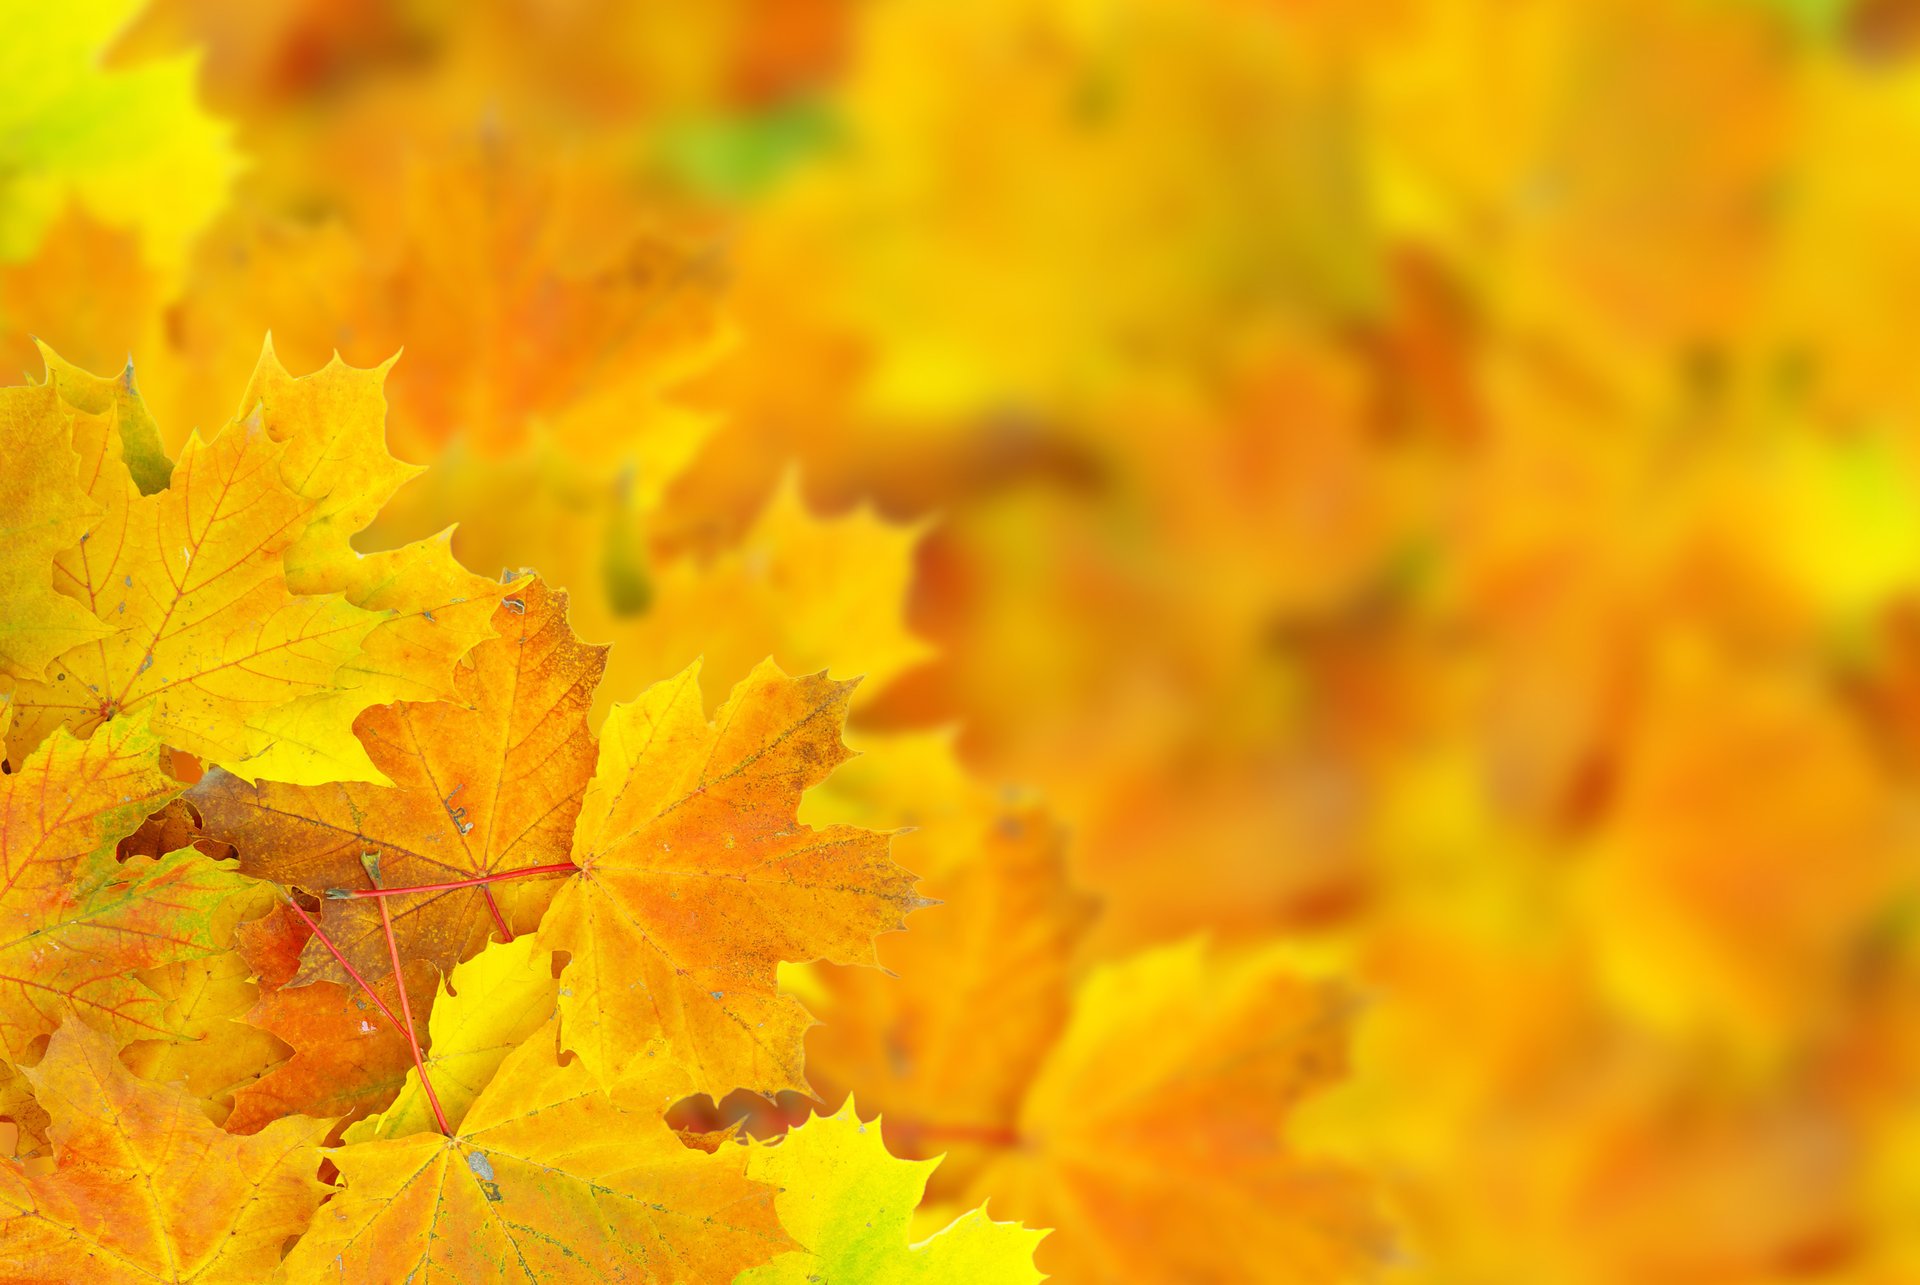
(547,1179)
(489,784)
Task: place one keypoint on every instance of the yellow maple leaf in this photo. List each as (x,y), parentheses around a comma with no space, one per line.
(42,511)
(333,423)
(202,633)
(234,605)
(495,1002)
(546,1178)
(850,1203)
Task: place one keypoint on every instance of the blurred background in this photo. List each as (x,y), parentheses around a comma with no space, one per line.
(1383,539)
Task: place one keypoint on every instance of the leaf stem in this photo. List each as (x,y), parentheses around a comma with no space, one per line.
(341,959)
(406,1010)
(498,876)
(506,932)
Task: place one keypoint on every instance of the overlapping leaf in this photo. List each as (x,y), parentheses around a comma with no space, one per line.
(42,511)
(216,1054)
(333,423)
(144,1189)
(227,597)
(497,1001)
(202,632)
(76,923)
(346,1059)
(487,785)
(546,1179)
(696,880)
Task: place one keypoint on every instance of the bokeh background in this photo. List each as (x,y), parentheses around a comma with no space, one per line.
(1383,537)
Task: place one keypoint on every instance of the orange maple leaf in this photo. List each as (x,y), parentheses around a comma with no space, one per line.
(347,1060)
(697,880)
(689,876)
(481,787)
(145,1189)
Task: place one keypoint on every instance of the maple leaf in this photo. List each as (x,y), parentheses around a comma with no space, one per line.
(696,880)
(42,511)
(229,595)
(547,1178)
(346,1059)
(850,1203)
(480,787)
(1228,1049)
(202,631)
(214,1053)
(76,922)
(333,423)
(145,1189)
(497,1000)
(131,426)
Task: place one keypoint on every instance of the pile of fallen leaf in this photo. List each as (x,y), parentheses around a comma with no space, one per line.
(486,950)
(1380,538)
